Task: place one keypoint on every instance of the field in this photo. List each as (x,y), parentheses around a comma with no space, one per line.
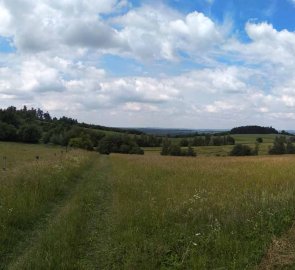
(224,150)
(81,210)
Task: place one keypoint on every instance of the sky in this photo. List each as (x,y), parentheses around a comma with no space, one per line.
(165,63)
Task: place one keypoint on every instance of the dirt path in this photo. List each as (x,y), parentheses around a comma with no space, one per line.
(281,254)
(57,244)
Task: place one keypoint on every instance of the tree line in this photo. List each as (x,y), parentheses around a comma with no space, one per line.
(281,145)
(173,149)
(253,130)
(35,126)
(208,139)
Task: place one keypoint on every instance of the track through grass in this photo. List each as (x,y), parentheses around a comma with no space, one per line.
(149,212)
(61,244)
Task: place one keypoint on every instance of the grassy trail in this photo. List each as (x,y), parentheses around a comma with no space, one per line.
(130,212)
(29,195)
(62,242)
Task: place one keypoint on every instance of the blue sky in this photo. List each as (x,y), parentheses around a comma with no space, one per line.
(6,45)
(170,63)
(279,12)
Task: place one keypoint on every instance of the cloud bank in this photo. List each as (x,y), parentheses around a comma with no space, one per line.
(190,70)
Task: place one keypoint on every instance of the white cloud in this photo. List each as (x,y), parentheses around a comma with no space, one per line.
(222,96)
(5,20)
(50,25)
(218,106)
(145,33)
(267,45)
(57,65)
(162,33)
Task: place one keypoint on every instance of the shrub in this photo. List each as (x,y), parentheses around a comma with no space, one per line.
(290,148)
(136,150)
(184,142)
(30,134)
(169,149)
(175,150)
(81,142)
(242,150)
(119,144)
(125,148)
(166,147)
(190,151)
(104,146)
(56,139)
(259,140)
(278,147)
(7,132)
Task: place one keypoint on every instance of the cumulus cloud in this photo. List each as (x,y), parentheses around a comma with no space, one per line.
(146,33)
(162,33)
(58,67)
(267,45)
(92,34)
(5,19)
(64,86)
(44,25)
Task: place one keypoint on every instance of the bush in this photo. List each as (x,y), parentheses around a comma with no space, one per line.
(184,142)
(56,139)
(290,148)
(30,134)
(135,150)
(169,149)
(104,146)
(278,147)
(119,144)
(175,150)
(81,142)
(125,148)
(242,150)
(166,147)
(190,151)
(7,132)
(259,140)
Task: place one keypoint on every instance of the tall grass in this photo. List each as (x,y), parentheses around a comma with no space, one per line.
(28,192)
(62,243)
(204,213)
(147,212)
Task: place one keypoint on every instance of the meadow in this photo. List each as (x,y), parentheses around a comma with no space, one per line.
(224,150)
(82,210)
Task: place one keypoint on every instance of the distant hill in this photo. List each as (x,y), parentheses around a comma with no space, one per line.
(166,131)
(253,130)
(178,132)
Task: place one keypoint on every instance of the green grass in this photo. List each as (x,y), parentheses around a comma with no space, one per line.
(197,213)
(21,154)
(29,189)
(224,150)
(251,138)
(141,212)
(64,242)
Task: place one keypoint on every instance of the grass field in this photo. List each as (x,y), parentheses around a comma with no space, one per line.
(80,210)
(224,150)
